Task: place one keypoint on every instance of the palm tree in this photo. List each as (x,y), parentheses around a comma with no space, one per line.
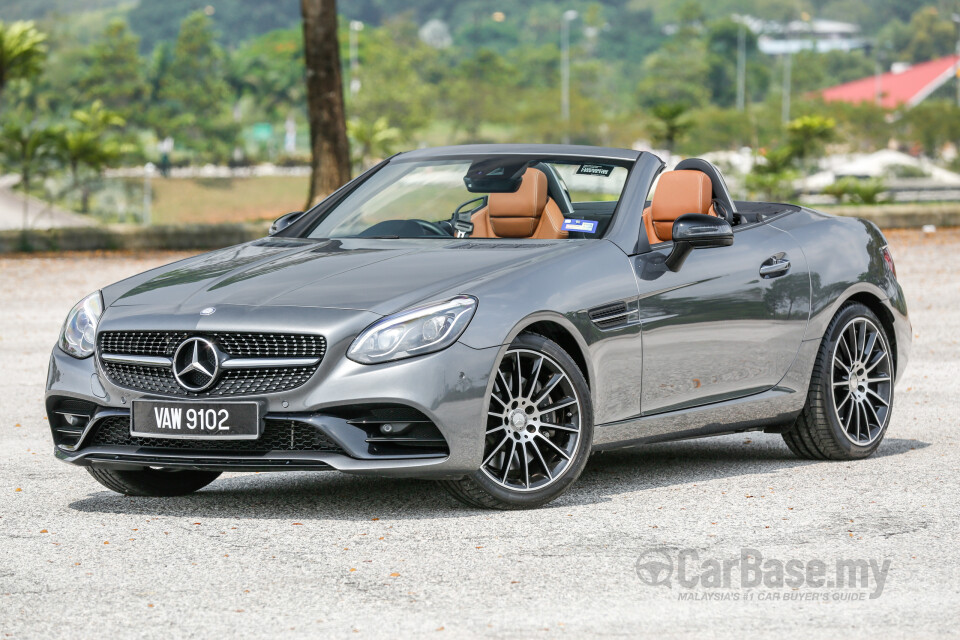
(29,148)
(22,51)
(87,145)
(371,141)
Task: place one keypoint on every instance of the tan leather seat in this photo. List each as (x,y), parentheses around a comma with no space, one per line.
(527,213)
(678,192)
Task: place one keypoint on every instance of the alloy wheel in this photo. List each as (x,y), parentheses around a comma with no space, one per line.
(533,422)
(862,381)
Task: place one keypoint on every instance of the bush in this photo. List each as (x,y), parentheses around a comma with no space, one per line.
(905,171)
(774,186)
(856,190)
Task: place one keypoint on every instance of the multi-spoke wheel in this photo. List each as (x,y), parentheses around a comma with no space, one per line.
(851,391)
(862,380)
(538,429)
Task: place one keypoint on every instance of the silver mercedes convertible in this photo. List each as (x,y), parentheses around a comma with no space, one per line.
(487,316)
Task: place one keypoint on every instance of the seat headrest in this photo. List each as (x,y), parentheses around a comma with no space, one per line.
(720,192)
(679,192)
(517,214)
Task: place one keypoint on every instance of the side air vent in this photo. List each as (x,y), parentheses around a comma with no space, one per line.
(609,316)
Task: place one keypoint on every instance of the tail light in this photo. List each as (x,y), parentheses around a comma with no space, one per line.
(888,259)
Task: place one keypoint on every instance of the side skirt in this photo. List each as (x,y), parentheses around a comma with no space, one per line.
(773,410)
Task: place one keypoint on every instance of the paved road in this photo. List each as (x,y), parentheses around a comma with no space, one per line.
(327,553)
(40,214)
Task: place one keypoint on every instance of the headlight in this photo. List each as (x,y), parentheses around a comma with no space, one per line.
(80,330)
(413,333)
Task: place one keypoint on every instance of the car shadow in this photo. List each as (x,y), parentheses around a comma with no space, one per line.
(336,496)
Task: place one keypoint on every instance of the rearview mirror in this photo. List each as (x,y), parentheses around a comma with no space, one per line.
(697,231)
(284,221)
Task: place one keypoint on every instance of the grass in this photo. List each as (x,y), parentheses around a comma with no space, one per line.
(216,200)
(213,200)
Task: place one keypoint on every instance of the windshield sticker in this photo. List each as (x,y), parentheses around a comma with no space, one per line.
(595,170)
(586,226)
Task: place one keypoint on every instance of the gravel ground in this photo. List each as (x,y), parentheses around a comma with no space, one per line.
(329,553)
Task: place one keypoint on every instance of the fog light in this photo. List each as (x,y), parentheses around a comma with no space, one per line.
(386,428)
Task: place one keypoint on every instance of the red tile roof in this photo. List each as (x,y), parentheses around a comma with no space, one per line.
(907,88)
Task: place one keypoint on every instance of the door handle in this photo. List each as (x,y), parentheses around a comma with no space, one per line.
(775,266)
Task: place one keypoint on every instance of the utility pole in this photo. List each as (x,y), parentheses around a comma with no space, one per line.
(147,194)
(787,63)
(568,16)
(356,27)
(878,81)
(741,67)
(956,21)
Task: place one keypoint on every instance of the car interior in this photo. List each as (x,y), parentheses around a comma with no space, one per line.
(529,212)
(538,208)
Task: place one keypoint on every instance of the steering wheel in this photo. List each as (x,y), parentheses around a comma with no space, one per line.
(432,228)
(461,220)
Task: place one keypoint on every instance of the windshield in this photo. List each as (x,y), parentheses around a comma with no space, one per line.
(505,196)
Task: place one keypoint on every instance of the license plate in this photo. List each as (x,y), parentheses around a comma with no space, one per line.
(196,420)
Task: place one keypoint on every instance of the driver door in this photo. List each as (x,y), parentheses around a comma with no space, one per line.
(716,329)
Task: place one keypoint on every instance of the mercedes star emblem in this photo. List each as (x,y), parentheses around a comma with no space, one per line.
(195,364)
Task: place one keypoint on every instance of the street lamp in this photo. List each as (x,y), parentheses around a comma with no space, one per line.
(787,86)
(568,16)
(356,27)
(741,65)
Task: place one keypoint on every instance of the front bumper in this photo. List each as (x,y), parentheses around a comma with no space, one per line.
(447,387)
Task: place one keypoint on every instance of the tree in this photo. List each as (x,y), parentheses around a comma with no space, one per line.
(479,89)
(329,149)
(29,149)
(400,79)
(678,73)
(22,51)
(88,145)
(931,125)
(932,35)
(193,94)
(270,71)
(114,73)
(723,41)
(371,141)
(807,135)
(670,125)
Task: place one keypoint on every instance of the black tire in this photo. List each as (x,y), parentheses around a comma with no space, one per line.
(152,482)
(817,433)
(480,490)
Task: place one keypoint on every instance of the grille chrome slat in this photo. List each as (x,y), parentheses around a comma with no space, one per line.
(144,361)
(257,362)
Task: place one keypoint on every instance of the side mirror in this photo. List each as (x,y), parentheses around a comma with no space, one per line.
(697,231)
(284,221)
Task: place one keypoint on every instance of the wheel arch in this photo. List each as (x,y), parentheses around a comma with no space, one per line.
(875,304)
(557,328)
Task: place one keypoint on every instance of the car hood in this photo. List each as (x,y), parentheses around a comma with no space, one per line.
(378,275)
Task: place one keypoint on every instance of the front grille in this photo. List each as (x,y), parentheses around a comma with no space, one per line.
(236,382)
(237,345)
(278,435)
(232,382)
